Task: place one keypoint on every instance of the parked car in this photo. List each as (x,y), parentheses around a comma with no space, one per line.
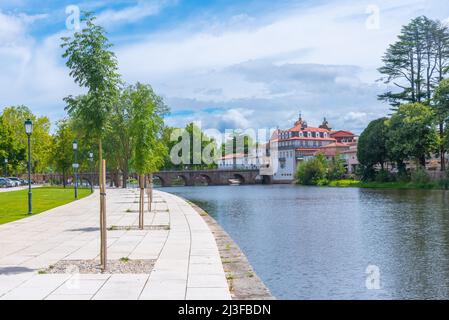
(15,180)
(6,183)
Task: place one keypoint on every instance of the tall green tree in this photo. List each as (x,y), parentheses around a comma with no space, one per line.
(412,134)
(441,103)
(238,142)
(147,125)
(372,144)
(41,140)
(93,66)
(10,148)
(416,62)
(192,146)
(63,149)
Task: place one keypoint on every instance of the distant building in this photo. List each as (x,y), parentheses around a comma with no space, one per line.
(280,157)
(302,142)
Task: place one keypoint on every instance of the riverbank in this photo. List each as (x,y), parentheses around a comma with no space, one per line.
(243,282)
(386,185)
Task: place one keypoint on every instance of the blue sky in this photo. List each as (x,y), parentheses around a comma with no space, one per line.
(229,64)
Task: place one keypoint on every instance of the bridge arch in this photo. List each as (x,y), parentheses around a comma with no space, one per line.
(240,178)
(176,178)
(156,177)
(203,179)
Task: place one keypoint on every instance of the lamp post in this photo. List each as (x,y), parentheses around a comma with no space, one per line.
(75,167)
(29,131)
(6,167)
(91,159)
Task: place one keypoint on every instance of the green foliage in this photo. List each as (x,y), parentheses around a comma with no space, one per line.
(337,168)
(344,183)
(146,129)
(412,133)
(420,178)
(416,61)
(238,143)
(62,156)
(10,148)
(186,137)
(372,144)
(93,66)
(12,120)
(383,176)
(312,171)
(444,182)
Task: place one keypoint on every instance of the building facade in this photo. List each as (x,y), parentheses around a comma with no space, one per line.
(302,142)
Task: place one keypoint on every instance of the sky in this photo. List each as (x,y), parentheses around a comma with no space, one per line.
(228,64)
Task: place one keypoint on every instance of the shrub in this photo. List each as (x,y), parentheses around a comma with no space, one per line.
(444,182)
(337,168)
(384,176)
(420,178)
(312,172)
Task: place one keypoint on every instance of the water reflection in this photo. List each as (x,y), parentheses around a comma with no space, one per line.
(316,243)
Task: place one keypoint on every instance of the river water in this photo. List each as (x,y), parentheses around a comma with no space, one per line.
(337,243)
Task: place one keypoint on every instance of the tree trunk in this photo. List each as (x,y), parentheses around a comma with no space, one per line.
(442,149)
(125,178)
(142,200)
(102,184)
(422,161)
(150,191)
(63,178)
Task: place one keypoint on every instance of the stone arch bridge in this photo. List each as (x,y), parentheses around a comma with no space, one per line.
(209,177)
(189,177)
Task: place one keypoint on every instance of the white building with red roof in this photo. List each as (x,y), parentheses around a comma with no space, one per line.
(302,142)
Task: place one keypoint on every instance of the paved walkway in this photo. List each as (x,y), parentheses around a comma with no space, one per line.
(188,264)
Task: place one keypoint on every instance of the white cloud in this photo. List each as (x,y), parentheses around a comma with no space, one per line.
(143,9)
(260,71)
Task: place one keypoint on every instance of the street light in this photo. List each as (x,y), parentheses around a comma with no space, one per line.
(29,131)
(75,167)
(91,159)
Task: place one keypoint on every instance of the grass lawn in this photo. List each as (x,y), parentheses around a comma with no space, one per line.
(14,204)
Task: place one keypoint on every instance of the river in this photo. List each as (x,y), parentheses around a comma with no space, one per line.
(336,243)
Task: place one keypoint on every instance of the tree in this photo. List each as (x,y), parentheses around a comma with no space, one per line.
(13,119)
(312,171)
(336,168)
(412,134)
(441,103)
(147,126)
(10,148)
(372,144)
(63,149)
(93,66)
(416,62)
(189,145)
(237,143)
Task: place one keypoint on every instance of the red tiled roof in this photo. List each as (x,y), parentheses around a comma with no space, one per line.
(342,133)
(308,129)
